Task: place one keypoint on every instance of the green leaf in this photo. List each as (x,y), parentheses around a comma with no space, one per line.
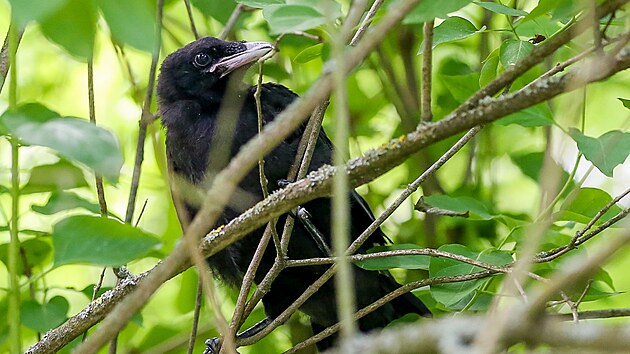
(60,201)
(512,51)
(34,250)
(428,10)
(536,116)
(23,11)
(459,204)
(461,86)
(73,138)
(596,291)
(583,204)
(530,164)
(139,33)
(557,7)
(500,8)
(489,68)
(58,176)
(452,294)
(606,152)
(42,317)
(219,10)
(88,291)
(73,26)
(298,17)
(452,29)
(625,102)
(99,241)
(404,262)
(308,54)
(259,4)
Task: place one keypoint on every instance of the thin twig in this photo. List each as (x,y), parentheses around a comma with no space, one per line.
(365,24)
(4,55)
(573,273)
(196,313)
(427,67)
(248,280)
(594,314)
(553,254)
(412,252)
(298,170)
(100,190)
(231,22)
(95,290)
(146,117)
(13,313)
(598,216)
(387,298)
(193,28)
(412,187)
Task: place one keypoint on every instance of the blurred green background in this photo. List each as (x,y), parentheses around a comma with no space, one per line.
(52,71)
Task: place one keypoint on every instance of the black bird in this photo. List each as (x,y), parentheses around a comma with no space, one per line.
(191,88)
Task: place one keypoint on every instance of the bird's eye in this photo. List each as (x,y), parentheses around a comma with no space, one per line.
(201,60)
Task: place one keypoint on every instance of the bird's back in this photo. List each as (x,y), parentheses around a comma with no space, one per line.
(231,263)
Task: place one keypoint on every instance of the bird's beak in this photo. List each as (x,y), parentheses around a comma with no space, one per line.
(253,51)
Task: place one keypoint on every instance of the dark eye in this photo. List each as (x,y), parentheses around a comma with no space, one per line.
(201,60)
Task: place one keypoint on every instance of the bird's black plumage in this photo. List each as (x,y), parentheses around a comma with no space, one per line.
(191,88)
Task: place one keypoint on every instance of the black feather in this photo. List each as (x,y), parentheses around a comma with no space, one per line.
(189,99)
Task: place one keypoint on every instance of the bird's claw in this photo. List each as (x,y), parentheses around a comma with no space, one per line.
(283,183)
(302,213)
(213,346)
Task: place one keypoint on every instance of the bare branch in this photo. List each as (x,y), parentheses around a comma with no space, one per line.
(193,28)
(147,117)
(232,21)
(427,66)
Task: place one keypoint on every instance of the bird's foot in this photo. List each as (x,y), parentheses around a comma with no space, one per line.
(213,346)
(283,183)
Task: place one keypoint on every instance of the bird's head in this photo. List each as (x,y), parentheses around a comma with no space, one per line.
(201,69)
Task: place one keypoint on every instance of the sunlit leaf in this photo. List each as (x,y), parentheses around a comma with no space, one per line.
(140,32)
(583,204)
(55,177)
(219,10)
(88,291)
(536,116)
(489,68)
(625,102)
(259,4)
(512,51)
(452,29)
(606,152)
(73,26)
(308,54)
(60,201)
(24,11)
(291,18)
(42,317)
(461,86)
(73,138)
(428,10)
(34,251)
(99,241)
(500,8)
(558,8)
